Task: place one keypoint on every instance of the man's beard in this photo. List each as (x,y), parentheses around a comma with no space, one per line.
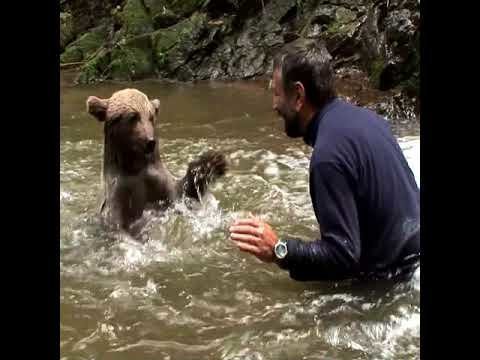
(293,127)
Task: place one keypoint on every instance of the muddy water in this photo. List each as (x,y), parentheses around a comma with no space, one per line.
(186,293)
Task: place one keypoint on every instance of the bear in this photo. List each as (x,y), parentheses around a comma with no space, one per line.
(135,178)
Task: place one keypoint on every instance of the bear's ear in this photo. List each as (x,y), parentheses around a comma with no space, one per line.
(97,107)
(156,105)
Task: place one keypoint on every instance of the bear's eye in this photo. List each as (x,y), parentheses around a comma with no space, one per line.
(114,120)
(132,117)
(152,119)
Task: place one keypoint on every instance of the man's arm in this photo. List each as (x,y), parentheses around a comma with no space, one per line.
(336,255)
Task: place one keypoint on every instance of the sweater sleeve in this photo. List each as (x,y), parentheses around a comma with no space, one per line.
(336,255)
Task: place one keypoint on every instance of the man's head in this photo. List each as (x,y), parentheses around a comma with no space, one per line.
(303,82)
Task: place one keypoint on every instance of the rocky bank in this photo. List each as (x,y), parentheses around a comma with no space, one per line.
(236,39)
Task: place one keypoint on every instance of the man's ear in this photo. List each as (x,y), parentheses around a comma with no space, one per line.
(156,105)
(299,95)
(97,107)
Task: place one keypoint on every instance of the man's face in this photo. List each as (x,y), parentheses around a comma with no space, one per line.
(285,107)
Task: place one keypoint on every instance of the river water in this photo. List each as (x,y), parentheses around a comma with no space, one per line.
(186,292)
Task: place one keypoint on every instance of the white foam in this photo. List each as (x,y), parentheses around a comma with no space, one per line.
(411,149)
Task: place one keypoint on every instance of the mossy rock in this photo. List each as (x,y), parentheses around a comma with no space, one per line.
(72,54)
(340,34)
(131,57)
(66,29)
(165,19)
(127,61)
(344,24)
(132,60)
(85,46)
(174,8)
(413,61)
(186,7)
(135,18)
(411,86)
(171,45)
(375,70)
(412,69)
(94,69)
(344,16)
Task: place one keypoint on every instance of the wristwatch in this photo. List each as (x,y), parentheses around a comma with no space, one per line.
(280,249)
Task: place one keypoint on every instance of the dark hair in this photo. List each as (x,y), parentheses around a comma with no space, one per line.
(308,62)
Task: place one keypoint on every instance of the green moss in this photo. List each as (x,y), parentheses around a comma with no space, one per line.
(165,19)
(344,23)
(128,61)
(136,56)
(132,60)
(169,44)
(135,18)
(344,16)
(412,70)
(66,29)
(333,28)
(71,54)
(93,70)
(130,64)
(411,86)
(186,7)
(339,29)
(180,8)
(131,57)
(413,61)
(85,46)
(157,6)
(375,71)
(164,40)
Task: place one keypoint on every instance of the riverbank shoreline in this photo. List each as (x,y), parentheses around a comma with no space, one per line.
(191,40)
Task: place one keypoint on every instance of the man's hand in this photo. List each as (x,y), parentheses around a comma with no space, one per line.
(255,237)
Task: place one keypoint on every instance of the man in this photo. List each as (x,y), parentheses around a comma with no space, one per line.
(363,191)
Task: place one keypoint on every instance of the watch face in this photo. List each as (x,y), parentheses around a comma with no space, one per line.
(281,250)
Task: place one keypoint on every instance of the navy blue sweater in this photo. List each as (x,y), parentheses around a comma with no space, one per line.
(364,195)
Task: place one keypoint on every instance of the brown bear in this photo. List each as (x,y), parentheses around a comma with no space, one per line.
(134,176)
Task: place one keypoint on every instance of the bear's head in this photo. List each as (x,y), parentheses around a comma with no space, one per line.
(129,129)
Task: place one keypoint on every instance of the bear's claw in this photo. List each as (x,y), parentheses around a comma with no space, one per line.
(203,171)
